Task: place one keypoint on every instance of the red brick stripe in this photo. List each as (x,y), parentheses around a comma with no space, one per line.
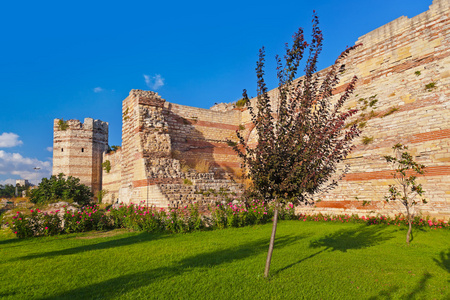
(346,204)
(154,181)
(430,171)
(430,136)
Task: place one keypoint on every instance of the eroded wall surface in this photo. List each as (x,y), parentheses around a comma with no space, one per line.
(157,138)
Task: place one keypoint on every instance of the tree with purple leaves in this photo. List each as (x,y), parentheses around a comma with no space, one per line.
(302,139)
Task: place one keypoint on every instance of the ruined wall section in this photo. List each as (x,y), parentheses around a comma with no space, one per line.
(153,133)
(78,150)
(146,149)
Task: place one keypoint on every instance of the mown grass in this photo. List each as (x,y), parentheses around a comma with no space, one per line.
(311,261)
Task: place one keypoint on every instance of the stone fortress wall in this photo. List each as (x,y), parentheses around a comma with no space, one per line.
(78,150)
(157,139)
(405,65)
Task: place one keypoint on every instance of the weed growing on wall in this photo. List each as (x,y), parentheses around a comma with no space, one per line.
(62,125)
(106,165)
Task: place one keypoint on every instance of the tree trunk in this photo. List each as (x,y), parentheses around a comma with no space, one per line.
(408,215)
(408,234)
(272,240)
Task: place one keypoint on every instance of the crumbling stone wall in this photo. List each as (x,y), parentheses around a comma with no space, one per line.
(157,137)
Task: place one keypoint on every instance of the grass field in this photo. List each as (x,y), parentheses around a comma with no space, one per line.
(311,261)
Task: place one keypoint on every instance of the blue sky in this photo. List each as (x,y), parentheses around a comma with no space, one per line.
(78,59)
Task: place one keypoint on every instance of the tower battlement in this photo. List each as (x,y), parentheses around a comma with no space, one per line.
(89,124)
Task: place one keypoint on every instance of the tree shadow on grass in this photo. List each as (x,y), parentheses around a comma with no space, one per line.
(126,283)
(385,294)
(39,239)
(390,293)
(347,239)
(10,241)
(130,240)
(444,260)
(352,239)
(419,287)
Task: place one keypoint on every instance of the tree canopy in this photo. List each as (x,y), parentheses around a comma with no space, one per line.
(59,188)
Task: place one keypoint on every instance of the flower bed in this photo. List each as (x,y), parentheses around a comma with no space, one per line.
(139,217)
(397,220)
(184,219)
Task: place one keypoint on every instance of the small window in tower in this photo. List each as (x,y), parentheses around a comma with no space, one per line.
(62,150)
(82,149)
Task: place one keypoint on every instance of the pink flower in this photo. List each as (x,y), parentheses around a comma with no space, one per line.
(46,228)
(31,210)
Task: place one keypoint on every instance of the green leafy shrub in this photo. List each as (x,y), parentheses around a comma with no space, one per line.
(36,223)
(90,218)
(106,165)
(59,188)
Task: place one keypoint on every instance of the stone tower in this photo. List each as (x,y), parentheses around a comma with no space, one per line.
(78,150)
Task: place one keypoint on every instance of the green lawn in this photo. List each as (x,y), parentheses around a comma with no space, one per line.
(311,261)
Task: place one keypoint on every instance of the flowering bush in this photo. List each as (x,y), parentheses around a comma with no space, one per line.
(36,224)
(174,220)
(21,225)
(90,218)
(239,214)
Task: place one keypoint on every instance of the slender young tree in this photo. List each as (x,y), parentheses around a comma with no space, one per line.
(407,189)
(301,140)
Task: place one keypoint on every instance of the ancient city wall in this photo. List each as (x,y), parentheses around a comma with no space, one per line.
(403,65)
(78,150)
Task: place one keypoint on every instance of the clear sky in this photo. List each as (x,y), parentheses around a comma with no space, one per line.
(78,59)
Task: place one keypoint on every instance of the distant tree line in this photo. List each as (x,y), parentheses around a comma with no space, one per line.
(9,190)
